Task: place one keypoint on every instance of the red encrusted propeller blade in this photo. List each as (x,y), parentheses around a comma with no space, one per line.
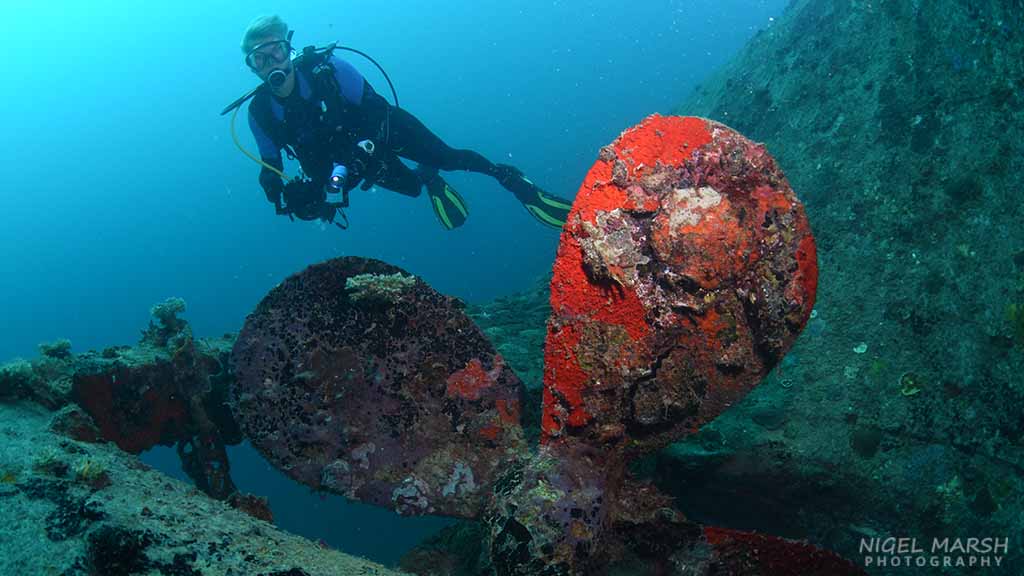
(686,270)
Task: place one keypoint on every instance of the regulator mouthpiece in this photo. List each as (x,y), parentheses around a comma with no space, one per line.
(277,78)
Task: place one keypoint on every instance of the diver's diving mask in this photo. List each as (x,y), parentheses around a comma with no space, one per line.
(268,54)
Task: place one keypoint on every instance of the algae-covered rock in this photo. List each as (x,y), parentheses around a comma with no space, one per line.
(83,508)
(16,379)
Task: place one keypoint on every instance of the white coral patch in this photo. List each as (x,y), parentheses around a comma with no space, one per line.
(462,476)
(690,203)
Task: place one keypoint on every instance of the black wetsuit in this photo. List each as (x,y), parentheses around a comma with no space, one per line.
(354,113)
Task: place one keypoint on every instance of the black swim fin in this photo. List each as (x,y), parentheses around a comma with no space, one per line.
(547,209)
(449,207)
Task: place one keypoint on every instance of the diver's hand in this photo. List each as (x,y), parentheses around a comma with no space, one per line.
(273,187)
(372,176)
(281,210)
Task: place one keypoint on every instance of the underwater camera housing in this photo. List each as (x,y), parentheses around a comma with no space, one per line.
(306,200)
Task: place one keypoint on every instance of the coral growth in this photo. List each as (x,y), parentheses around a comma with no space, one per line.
(59,349)
(168,326)
(382,287)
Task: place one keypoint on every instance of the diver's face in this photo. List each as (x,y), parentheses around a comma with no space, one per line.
(269,55)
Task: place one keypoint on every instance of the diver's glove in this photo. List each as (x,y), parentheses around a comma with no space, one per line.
(273,187)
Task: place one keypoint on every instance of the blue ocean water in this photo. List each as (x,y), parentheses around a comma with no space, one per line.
(121,186)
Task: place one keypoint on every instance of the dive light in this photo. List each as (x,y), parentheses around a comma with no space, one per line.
(338,175)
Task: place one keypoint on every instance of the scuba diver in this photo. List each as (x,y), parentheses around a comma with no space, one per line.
(321,111)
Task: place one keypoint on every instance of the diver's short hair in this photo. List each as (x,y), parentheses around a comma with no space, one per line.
(263,27)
